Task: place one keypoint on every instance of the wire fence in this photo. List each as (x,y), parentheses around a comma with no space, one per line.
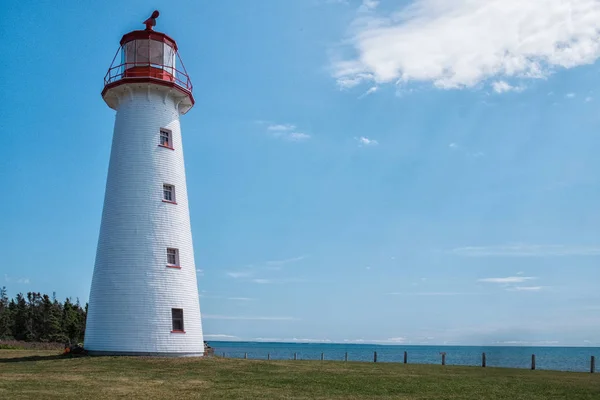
(444,358)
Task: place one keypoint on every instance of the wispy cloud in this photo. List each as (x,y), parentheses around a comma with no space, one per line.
(570,95)
(368,5)
(525,289)
(455,147)
(22,281)
(394,340)
(199,272)
(503,87)
(365,141)
(286,261)
(219,336)
(369,91)
(281,127)
(240,298)
(247,318)
(240,274)
(508,279)
(589,99)
(526,250)
(462,44)
(270,281)
(433,293)
(285,131)
(250,272)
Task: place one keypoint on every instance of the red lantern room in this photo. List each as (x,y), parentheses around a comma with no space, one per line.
(148,58)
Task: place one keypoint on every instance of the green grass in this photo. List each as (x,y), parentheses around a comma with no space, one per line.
(28,374)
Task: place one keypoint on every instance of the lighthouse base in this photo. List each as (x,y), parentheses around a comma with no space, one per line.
(141,354)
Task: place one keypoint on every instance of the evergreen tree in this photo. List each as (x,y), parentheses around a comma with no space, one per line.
(70,323)
(20,318)
(51,328)
(5,316)
(37,317)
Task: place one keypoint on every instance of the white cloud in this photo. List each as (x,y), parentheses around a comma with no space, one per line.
(463,43)
(247,318)
(200,272)
(23,281)
(368,5)
(570,95)
(365,141)
(264,281)
(526,250)
(394,340)
(286,261)
(298,136)
(453,146)
(588,99)
(291,340)
(220,336)
(240,274)
(432,293)
(503,87)
(525,289)
(281,127)
(284,131)
(508,279)
(368,92)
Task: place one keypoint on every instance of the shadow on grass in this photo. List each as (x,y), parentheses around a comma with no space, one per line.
(34,358)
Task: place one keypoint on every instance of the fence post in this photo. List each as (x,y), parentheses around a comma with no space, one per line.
(374,356)
(245,356)
(533,362)
(268,356)
(593,365)
(444,358)
(405,357)
(295,356)
(483,360)
(223,354)
(346,357)
(322,356)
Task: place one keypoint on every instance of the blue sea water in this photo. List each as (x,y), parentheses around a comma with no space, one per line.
(547,358)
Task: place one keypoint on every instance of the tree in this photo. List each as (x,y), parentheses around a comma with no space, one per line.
(38,317)
(20,318)
(5,316)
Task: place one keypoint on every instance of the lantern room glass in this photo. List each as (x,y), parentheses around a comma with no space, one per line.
(145,52)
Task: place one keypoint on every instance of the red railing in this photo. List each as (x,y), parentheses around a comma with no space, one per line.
(138,70)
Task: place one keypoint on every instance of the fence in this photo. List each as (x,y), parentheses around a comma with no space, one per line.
(405,359)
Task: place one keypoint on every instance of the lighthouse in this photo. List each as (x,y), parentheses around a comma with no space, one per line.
(144,293)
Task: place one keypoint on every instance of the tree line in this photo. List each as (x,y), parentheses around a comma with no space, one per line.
(37,317)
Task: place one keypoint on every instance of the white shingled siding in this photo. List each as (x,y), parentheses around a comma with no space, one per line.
(133,291)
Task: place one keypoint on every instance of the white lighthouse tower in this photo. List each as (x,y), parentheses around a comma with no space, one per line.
(144,295)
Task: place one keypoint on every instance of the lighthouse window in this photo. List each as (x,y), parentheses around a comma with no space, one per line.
(177,316)
(172,257)
(169,193)
(165,138)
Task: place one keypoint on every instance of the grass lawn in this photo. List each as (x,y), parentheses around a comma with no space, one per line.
(26,374)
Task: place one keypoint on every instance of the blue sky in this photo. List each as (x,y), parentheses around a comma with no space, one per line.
(389,172)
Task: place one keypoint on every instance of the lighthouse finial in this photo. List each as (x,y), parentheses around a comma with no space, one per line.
(151,22)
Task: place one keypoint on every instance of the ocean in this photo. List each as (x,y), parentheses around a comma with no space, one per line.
(547,358)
